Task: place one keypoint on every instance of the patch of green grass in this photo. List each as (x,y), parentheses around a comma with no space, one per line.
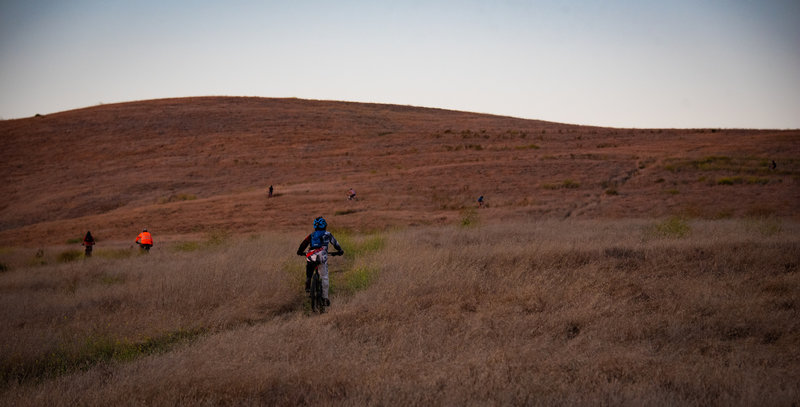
(75,240)
(674,227)
(69,255)
(757,181)
(110,280)
(354,280)
(712,163)
(730,181)
(217,237)
(113,253)
(469,217)
(93,350)
(356,246)
(189,246)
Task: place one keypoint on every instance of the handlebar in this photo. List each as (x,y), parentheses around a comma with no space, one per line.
(339,253)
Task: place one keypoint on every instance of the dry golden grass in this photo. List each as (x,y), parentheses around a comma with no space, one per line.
(632,312)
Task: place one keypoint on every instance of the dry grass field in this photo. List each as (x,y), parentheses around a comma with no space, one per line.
(609,266)
(557,312)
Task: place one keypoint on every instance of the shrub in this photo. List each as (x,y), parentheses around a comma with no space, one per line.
(3,267)
(612,191)
(570,184)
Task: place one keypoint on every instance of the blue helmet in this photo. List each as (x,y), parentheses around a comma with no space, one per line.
(320,224)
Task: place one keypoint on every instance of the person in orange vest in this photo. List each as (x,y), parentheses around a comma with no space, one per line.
(144,240)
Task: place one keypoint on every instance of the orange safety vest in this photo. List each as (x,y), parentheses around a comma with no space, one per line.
(144,238)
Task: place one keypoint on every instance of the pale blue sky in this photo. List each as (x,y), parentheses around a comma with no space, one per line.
(677,63)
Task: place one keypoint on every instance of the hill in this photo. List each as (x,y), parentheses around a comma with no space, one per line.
(188,166)
(609,266)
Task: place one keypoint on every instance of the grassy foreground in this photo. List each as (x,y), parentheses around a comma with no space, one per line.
(637,312)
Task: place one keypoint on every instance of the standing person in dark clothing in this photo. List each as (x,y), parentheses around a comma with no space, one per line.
(270,191)
(88,243)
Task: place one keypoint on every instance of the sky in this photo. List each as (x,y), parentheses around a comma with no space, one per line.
(615,63)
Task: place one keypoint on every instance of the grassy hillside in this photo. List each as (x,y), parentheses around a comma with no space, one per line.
(644,312)
(608,266)
(185,167)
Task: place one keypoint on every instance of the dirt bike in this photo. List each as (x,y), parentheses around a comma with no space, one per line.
(318,303)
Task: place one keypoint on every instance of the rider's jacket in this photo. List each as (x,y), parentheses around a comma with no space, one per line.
(144,238)
(319,239)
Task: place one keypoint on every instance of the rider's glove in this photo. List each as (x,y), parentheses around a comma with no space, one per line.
(300,253)
(339,253)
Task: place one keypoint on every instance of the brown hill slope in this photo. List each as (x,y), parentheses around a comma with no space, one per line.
(185,166)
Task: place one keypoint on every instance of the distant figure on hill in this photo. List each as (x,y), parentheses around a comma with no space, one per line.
(480,201)
(774,165)
(319,240)
(144,240)
(351,194)
(88,242)
(270,191)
